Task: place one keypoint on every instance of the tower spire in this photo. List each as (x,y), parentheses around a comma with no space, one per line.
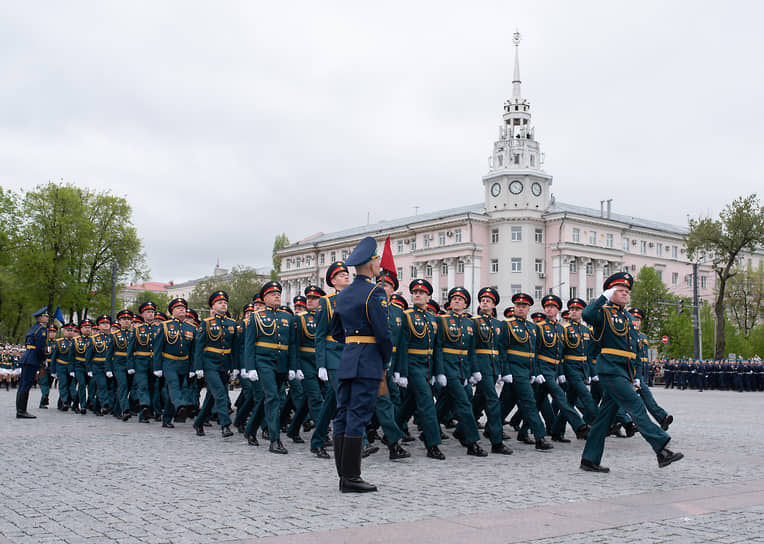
(516,75)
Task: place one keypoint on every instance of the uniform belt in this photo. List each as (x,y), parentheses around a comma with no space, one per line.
(143,353)
(60,362)
(218,350)
(527,354)
(548,359)
(99,359)
(360,340)
(307,349)
(270,345)
(31,346)
(487,351)
(454,351)
(395,348)
(80,359)
(120,353)
(575,357)
(644,359)
(331,338)
(175,357)
(420,352)
(619,352)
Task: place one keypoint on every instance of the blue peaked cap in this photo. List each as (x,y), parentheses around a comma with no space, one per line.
(365,251)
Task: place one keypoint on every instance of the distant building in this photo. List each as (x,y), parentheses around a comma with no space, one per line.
(129,293)
(519,238)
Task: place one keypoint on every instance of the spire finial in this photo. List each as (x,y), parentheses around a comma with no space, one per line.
(516,37)
(516,94)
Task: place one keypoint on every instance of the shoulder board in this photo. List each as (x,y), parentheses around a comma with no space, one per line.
(210,318)
(330,295)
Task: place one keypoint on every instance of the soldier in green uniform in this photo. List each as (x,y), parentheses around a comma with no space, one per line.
(490,364)
(48,370)
(212,350)
(140,354)
(417,366)
(173,352)
(659,414)
(328,355)
(266,351)
(455,351)
(116,363)
(81,346)
(618,345)
(518,341)
(60,357)
(100,347)
(576,340)
(245,402)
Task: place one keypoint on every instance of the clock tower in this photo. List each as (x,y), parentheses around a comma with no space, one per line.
(516,180)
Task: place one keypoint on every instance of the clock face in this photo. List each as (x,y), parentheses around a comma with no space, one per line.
(536,188)
(516,187)
(495,189)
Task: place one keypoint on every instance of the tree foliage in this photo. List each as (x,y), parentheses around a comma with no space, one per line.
(745,298)
(241,284)
(740,228)
(280,242)
(648,294)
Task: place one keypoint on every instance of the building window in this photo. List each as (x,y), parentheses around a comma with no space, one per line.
(674,278)
(609,240)
(515,288)
(321,259)
(674,252)
(517,158)
(441,238)
(573,293)
(538,266)
(400,247)
(643,247)
(460,266)
(538,292)
(660,274)
(539,236)
(533,160)
(589,268)
(589,293)
(703,282)
(427,240)
(458,235)
(443,295)
(399,270)
(494,265)
(606,270)
(625,244)
(573,267)
(444,268)
(428,271)
(413,272)
(592,237)
(576,235)
(688,280)
(659,250)
(494,236)
(308,260)
(517,264)
(289,263)
(344,254)
(332,256)
(413,244)
(517,234)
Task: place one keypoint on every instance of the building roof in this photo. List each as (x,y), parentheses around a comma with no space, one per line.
(561,207)
(158,286)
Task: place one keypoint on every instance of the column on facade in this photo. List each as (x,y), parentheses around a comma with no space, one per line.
(451,273)
(468,263)
(561,274)
(435,278)
(599,278)
(475,282)
(582,277)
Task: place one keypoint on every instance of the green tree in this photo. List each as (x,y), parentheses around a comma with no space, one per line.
(241,284)
(740,228)
(280,242)
(11,297)
(160,299)
(745,298)
(648,293)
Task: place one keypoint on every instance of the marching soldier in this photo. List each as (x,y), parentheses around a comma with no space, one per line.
(97,366)
(619,342)
(116,363)
(33,358)
(81,345)
(60,358)
(576,340)
(140,354)
(48,370)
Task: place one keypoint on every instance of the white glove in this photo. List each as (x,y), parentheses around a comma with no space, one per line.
(235,373)
(109,374)
(540,379)
(636,383)
(300,375)
(587,381)
(595,378)
(199,374)
(243,372)
(477,376)
(441,379)
(252,375)
(498,381)
(465,382)
(403,382)
(90,374)
(561,379)
(396,377)
(432,380)
(158,373)
(507,378)
(609,293)
(53,375)
(291,375)
(322,374)
(191,374)
(71,374)
(131,371)
(470,380)
(533,380)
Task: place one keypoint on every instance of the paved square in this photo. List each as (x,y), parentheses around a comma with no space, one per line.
(75,479)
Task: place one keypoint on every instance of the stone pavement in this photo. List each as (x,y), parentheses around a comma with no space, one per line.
(72,478)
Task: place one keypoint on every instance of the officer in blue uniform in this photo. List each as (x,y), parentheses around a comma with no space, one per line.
(618,342)
(31,361)
(360,321)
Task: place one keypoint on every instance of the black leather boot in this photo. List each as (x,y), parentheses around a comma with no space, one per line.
(339,440)
(351,481)
(21,406)
(666,457)
(396,452)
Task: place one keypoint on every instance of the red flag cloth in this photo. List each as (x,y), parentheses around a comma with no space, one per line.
(387,262)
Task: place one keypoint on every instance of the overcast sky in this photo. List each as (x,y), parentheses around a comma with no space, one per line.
(226,123)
